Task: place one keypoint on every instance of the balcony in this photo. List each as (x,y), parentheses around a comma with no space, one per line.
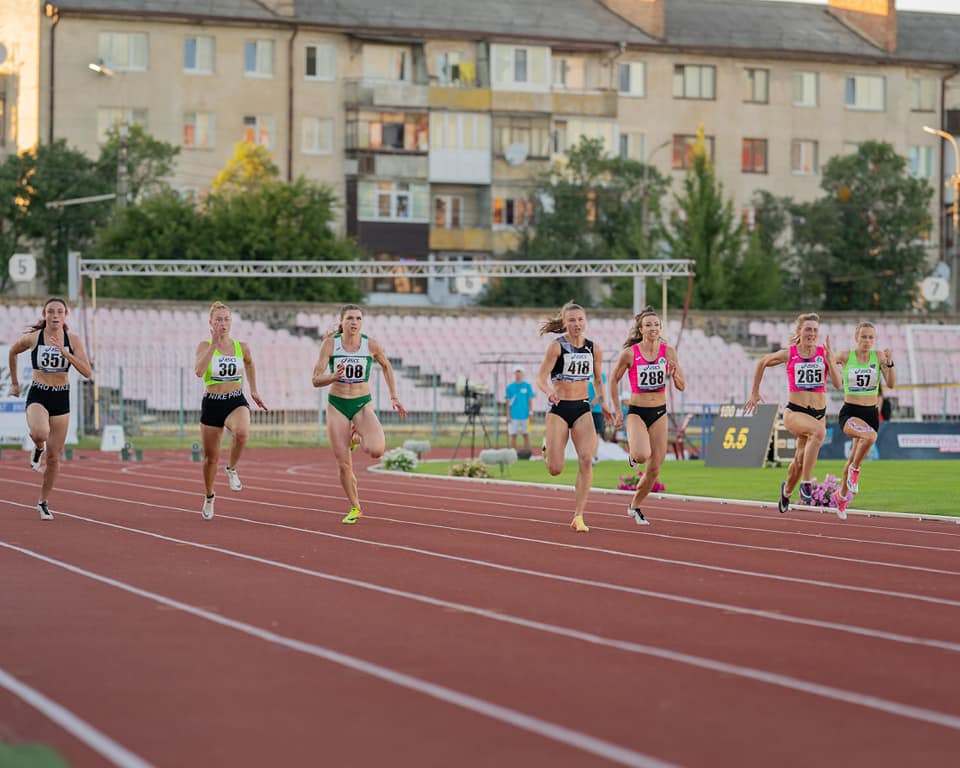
(586,104)
(460,98)
(522,101)
(461,240)
(460,166)
(385,93)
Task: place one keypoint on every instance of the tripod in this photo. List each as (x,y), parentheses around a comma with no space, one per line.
(474,417)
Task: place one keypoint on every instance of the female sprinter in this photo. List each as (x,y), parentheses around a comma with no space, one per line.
(52,351)
(222,362)
(344,365)
(650,363)
(569,363)
(808,365)
(860,415)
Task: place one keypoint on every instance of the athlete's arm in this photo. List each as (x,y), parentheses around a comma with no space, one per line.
(204,355)
(543,376)
(623,363)
(320,378)
(674,370)
(250,371)
(376,351)
(25,342)
(886,364)
(767,361)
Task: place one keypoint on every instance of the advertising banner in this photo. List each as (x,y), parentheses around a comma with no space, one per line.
(738,440)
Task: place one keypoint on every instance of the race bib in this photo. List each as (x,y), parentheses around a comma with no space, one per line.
(652,375)
(354,369)
(226,368)
(808,375)
(861,379)
(50,359)
(578,365)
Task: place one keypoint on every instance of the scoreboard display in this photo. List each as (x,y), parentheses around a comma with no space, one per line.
(739,440)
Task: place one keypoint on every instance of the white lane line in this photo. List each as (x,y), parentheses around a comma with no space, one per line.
(645,533)
(80,729)
(852,629)
(546,542)
(758,675)
(512,717)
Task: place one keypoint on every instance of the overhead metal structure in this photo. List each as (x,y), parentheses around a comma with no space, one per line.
(662,268)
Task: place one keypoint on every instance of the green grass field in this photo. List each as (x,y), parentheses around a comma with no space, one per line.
(929,487)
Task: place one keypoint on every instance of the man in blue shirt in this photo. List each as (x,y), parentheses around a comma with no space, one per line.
(519,398)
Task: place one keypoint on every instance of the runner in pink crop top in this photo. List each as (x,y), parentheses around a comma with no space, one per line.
(648,375)
(807,374)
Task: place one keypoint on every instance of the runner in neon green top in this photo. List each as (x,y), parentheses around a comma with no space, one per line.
(222,362)
(344,365)
(860,417)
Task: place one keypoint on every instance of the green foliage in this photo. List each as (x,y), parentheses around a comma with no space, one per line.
(709,233)
(590,206)
(469,469)
(149,161)
(858,246)
(274,221)
(399,460)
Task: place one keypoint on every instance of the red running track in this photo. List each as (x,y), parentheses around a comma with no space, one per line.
(462,624)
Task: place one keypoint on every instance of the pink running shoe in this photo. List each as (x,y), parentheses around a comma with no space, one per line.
(840,502)
(853,479)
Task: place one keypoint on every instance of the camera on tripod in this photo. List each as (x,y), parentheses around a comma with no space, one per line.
(472,403)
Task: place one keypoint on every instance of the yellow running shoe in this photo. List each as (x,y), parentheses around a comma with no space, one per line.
(352,516)
(578,525)
(354,439)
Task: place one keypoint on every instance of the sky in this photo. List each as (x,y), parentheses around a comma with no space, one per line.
(936,6)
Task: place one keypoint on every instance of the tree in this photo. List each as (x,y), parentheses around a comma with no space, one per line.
(858,247)
(759,277)
(250,166)
(588,207)
(149,161)
(707,231)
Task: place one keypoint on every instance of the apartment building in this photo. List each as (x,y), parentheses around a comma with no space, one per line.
(432,120)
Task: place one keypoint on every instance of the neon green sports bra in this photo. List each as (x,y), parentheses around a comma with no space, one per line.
(224,369)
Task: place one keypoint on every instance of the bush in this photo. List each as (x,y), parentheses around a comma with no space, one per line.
(400,460)
(630,483)
(470,469)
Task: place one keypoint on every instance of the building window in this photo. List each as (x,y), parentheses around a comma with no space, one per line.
(805,86)
(864,92)
(198,129)
(512,212)
(317,136)
(459,130)
(198,55)
(683,150)
(631,79)
(386,62)
(448,68)
(923,95)
(921,162)
(522,135)
(401,131)
(447,210)
(258,129)
(520,68)
(632,146)
(753,156)
(559,137)
(123,51)
(393,201)
(570,74)
(258,58)
(320,62)
(692,81)
(803,157)
(756,86)
(108,117)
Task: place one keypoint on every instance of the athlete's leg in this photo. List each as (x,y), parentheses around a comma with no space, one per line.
(585,441)
(38,423)
(338,433)
(211,437)
(55,440)
(795,468)
(238,424)
(638,439)
(556,434)
(657,435)
(370,430)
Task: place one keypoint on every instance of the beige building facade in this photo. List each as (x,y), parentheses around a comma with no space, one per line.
(433,136)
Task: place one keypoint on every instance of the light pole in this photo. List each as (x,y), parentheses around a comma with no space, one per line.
(954,181)
(639,281)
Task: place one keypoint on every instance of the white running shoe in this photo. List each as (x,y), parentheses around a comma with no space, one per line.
(207,512)
(234,479)
(637,516)
(45,513)
(36,457)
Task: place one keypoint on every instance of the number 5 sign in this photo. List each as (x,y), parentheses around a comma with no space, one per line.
(741,441)
(23,267)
